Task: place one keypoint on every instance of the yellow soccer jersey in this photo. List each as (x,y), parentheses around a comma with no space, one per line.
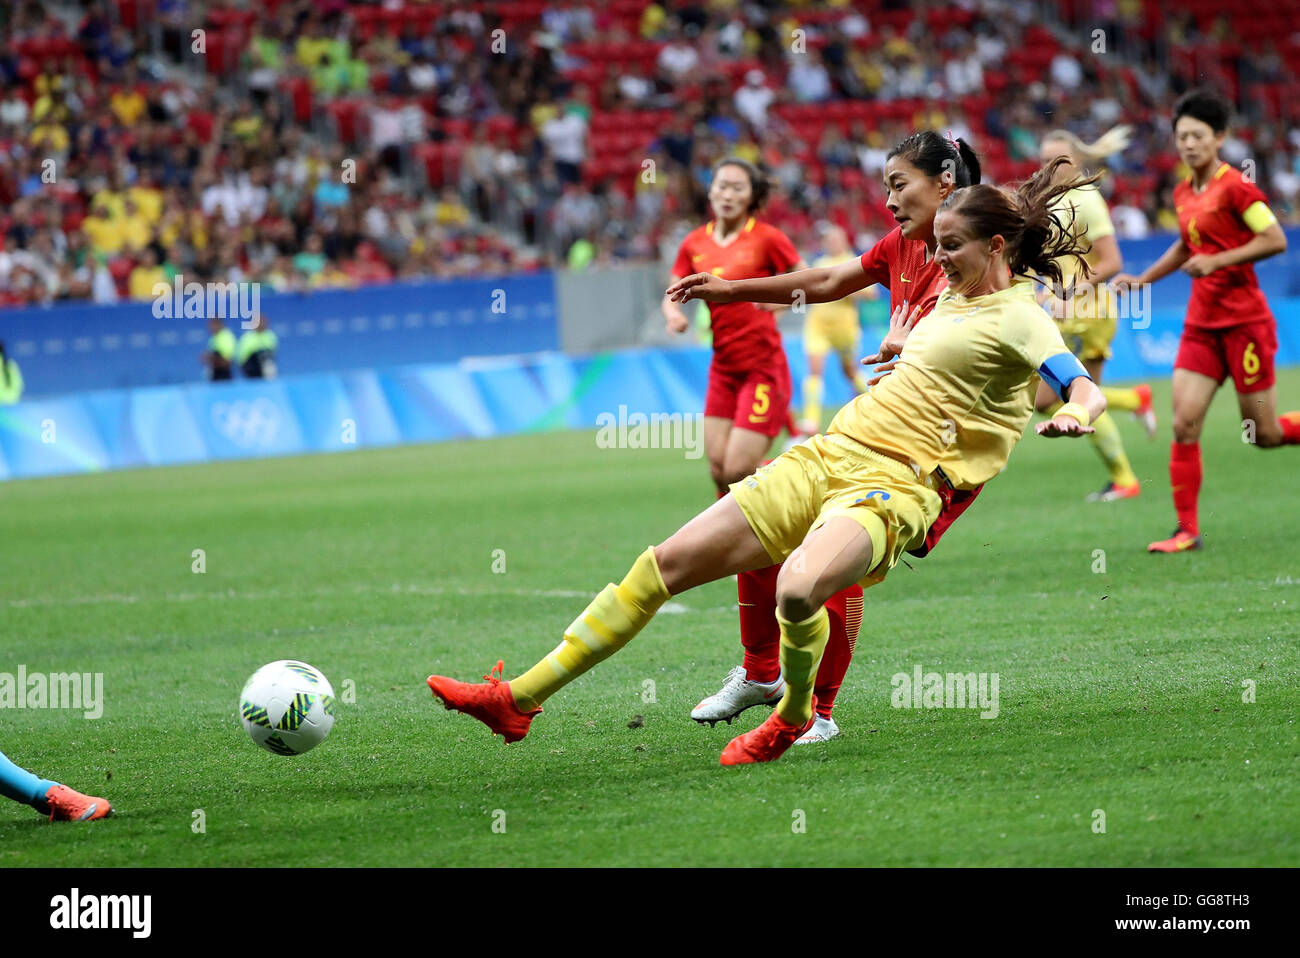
(841,310)
(962,392)
(1091,215)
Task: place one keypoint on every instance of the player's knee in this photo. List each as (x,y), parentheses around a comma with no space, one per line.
(795,594)
(1268,437)
(794,605)
(1186,430)
(718,470)
(674,567)
(734,471)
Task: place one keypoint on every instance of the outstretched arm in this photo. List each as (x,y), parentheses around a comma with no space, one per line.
(1172,259)
(818,285)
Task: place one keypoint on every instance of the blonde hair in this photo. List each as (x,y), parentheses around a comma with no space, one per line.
(1113,141)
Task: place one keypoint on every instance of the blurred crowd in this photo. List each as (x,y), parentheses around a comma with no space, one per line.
(310,144)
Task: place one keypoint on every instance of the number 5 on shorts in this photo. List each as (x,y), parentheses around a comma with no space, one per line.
(763,399)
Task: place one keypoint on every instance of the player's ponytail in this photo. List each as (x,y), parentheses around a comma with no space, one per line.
(1115,140)
(1036,235)
(933,153)
(759,185)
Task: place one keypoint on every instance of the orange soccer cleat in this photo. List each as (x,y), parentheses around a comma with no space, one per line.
(1144,413)
(1180,541)
(490,703)
(1112,492)
(69,805)
(766,743)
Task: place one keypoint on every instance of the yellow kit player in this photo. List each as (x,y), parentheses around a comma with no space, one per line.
(843,507)
(1086,308)
(831,327)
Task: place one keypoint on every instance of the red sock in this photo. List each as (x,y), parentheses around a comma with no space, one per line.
(845,609)
(759,632)
(1185,478)
(1290,423)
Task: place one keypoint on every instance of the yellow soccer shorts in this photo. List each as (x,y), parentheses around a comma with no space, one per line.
(1091,326)
(828,476)
(826,332)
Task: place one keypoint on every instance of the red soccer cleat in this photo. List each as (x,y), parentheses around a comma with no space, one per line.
(492,704)
(1144,413)
(69,805)
(766,743)
(1180,541)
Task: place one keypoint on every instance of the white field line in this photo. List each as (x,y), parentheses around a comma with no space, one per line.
(671,608)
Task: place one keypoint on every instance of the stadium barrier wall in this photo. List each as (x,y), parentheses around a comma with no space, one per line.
(67,348)
(475,398)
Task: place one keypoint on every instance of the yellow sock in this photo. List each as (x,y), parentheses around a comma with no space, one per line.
(609,623)
(1125,400)
(1110,446)
(802,645)
(859,382)
(812,399)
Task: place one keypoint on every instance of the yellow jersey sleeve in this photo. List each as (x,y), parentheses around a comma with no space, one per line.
(1029,335)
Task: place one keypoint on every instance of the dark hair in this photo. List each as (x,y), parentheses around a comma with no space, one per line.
(4,362)
(759,185)
(1036,235)
(932,153)
(1204,105)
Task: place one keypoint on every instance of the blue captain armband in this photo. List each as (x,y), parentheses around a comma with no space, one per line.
(1061,370)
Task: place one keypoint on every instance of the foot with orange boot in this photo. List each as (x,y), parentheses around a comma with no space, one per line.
(769,741)
(492,704)
(60,803)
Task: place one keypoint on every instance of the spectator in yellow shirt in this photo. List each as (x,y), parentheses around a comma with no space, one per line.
(146,274)
(128,105)
(137,232)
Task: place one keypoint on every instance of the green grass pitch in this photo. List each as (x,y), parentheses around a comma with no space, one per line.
(1120,691)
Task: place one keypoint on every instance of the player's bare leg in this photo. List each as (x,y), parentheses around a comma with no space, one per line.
(1193,393)
(831,558)
(746,450)
(716,543)
(1259,413)
(814,385)
(717,431)
(853,371)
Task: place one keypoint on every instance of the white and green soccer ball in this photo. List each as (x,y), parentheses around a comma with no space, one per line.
(287,707)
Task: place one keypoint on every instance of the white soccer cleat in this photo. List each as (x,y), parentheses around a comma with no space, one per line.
(737,694)
(823,730)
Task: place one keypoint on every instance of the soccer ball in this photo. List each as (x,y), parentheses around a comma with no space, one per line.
(287,707)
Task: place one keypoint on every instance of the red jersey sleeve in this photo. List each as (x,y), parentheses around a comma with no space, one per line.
(682,265)
(1243,195)
(875,261)
(782,252)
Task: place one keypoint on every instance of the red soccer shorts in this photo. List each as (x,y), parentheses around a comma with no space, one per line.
(1244,352)
(756,399)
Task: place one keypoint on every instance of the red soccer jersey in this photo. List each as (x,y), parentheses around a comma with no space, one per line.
(1211,222)
(901,265)
(744,336)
